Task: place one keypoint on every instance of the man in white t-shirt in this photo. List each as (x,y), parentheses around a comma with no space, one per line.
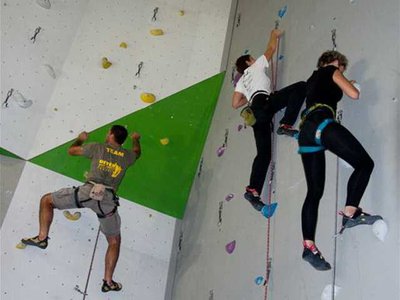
(254,89)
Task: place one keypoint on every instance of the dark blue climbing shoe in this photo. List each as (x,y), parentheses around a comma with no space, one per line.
(253,197)
(358,218)
(34,241)
(312,255)
(288,130)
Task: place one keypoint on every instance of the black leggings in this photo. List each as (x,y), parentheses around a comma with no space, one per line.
(341,142)
(291,97)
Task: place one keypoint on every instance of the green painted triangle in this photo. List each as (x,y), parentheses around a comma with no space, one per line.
(9,154)
(162,178)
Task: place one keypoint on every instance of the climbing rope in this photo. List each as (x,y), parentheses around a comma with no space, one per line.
(338,119)
(268,259)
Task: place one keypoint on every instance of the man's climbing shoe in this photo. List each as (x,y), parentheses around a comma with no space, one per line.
(114,286)
(358,218)
(253,197)
(34,241)
(312,255)
(288,130)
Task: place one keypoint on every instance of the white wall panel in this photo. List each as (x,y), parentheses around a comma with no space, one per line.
(368,33)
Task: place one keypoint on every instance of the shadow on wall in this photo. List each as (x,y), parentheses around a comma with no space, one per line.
(196,209)
(357,118)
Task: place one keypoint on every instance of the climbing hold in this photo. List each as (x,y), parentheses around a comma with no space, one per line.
(21,100)
(230,247)
(246,51)
(44,3)
(147,97)
(157,32)
(240,127)
(49,69)
(380,229)
(229,197)
(72,217)
(221,150)
(269,209)
(281,57)
(164,141)
(123,45)
(105,63)
(181,12)
(260,280)
(282,12)
(20,245)
(327,292)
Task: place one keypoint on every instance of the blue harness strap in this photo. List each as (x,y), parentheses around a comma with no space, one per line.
(320,128)
(310,149)
(318,133)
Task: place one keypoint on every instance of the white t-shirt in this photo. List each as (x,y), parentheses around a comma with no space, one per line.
(254,79)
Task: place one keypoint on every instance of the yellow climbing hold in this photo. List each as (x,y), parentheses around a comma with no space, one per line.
(123,45)
(147,97)
(181,12)
(105,63)
(72,217)
(164,141)
(157,32)
(20,245)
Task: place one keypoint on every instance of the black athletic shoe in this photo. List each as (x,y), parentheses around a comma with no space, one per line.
(34,241)
(288,130)
(114,286)
(315,258)
(253,197)
(358,218)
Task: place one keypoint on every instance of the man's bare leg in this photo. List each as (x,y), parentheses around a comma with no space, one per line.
(112,254)
(45,216)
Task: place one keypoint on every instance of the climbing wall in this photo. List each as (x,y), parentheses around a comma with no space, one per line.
(69,66)
(223,242)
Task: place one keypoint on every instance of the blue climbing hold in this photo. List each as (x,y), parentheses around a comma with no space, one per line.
(282,12)
(281,57)
(269,209)
(296,136)
(259,280)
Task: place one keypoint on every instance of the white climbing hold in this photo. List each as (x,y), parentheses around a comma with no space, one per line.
(44,3)
(50,70)
(380,229)
(327,292)
(21,100)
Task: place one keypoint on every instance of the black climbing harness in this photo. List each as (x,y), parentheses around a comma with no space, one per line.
(321,126)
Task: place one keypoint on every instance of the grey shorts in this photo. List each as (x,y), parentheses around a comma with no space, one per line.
(65,199)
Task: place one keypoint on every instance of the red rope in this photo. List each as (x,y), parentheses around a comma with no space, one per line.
(268,260)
